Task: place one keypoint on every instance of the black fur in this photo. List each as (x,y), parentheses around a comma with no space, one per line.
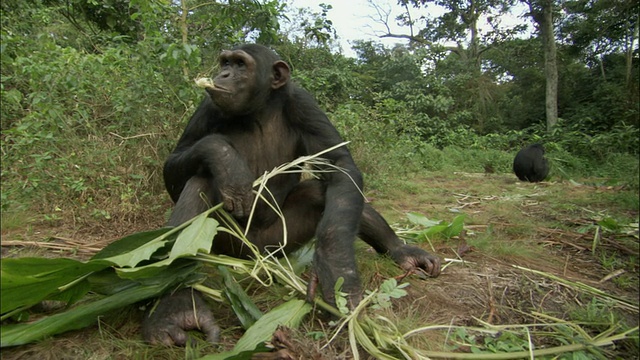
(530,164)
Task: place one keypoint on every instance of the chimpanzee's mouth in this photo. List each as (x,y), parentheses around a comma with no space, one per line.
(219,88)
(209,85)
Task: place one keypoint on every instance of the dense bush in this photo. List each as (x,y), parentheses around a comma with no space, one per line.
(89,129)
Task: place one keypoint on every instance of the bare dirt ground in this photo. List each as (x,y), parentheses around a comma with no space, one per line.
(548,227)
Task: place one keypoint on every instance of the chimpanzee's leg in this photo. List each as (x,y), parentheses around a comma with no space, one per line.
(376,232)
(196,197)
(185,309)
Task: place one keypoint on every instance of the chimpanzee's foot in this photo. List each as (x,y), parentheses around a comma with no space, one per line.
(176,314)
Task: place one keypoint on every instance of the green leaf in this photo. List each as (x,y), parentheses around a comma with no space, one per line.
(86,314)
(456,226)
(419,219)
(131,250)
(438,229)
(301,258)
(289,314)
(247,312)
(609,224)
(197,236)
(107,282)
(76,318)
(27,281)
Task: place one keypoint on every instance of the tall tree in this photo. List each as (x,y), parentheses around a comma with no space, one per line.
(463,32)
(599,28)
(459,24)
(542,13)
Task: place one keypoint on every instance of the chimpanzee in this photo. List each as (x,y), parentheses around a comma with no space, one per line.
(530,164)
(252,120)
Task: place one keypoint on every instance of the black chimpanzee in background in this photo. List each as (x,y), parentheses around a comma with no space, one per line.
(252,120)
(530,164)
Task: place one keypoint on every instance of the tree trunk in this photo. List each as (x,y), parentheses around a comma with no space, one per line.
(550,64)
(542,13)
(185,33)
(629,54)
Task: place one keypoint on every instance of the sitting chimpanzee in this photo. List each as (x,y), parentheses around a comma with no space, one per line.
(252,120)
(530,164)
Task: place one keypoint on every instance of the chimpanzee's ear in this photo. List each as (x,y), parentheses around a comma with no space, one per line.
(281,74)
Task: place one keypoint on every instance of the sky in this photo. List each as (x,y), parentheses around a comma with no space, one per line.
(352,20)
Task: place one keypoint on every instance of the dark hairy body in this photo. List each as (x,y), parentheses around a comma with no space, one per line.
(252,120)
(530,164)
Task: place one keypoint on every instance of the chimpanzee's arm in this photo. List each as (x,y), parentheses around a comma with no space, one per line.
(201,152)
(335,256)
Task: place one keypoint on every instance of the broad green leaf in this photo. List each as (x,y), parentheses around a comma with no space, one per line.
(289,314)
(141,272)
(421,220)
(76,318)
(247,312)
(129,243)
(456,226)
(107,282)
(300,258)
(142,246)
(437,229)
(27,281)
(609,224)
(198,236)
(73,293)
(86,314)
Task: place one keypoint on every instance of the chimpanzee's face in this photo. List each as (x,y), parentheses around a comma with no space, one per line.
(236,83)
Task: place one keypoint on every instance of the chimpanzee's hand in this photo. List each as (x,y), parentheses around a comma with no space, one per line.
(326,270)
(413,258)
(233,177)
(238,198)
(175,315)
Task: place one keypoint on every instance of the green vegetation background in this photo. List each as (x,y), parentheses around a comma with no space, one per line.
(95,94)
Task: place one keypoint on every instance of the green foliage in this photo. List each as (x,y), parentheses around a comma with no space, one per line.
(502,342)
(584,141)
(434,227)
(389,289)
(27,281)
(289,314)
(321,30)
(340,296)
(246,310)
(88,117)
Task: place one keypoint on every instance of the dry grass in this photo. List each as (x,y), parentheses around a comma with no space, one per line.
(535,226)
